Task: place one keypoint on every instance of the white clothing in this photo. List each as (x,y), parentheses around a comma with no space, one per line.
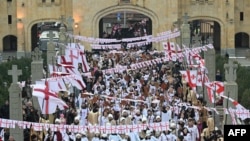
(187,137)
(166,117)
(151,118)
(171,137)
(134,136)
(114,137)
(84,114)
(95,139)
(194,132)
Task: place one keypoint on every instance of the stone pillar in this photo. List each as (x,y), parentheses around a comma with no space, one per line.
(51,49)
(37,72)
(185,31)
(15,100)
(230,88)
(20,41)
(209,57)
(62,40)
(70,22)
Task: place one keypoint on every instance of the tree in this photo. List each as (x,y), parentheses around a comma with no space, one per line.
(245,99)
(5,80)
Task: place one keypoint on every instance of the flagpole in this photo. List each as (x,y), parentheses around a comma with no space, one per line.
(203,84)
(214,102)
(227,107)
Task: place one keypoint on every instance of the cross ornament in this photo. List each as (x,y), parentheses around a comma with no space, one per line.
(62,20)
(51,35)
(185,18)
(230,69)
(70,21)
(15,73)
(36,55)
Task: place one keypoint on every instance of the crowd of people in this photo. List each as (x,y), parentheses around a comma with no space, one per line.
(157,93)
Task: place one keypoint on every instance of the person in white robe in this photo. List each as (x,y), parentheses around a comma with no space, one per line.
(133,136)
(166,114)
(83,114)
(192,128)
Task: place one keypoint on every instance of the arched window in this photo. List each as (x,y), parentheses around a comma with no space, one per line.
(10,43)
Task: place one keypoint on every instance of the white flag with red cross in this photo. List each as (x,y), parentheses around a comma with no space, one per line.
(190,77)
(170,50)
(47,99)
(202,77)
(213,89)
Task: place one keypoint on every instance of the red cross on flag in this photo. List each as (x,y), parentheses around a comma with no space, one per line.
(67,66)
(57,85)
(190,76)
(201,76)
(214,87)
(54,71)
(170,50)
(77,82)
(83,62)
(48,100)
(241,112)
(73,54)
(190,60)
(65,61)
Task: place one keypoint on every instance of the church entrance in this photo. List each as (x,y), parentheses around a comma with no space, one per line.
(39,33)
(125,24)
(205,32)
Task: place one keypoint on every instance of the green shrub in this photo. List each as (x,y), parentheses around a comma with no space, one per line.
(23,64)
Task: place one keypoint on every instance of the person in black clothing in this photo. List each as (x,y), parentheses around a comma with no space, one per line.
(218,76)
(4,111)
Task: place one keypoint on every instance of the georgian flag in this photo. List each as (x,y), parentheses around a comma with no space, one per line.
(65,61)
(189,58)
(240,111)
(169,48)
(57,85)
(48,100)
(73,54)
(55,71)
(83,62)
(201,76)
(77,82)
(190,76)
(213,89)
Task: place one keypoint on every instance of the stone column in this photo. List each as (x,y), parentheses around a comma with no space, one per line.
(51,49)
(15,100)
(209,57)
(20,41)
(37,72)
(63,37)
(62,40)
(230,88)
(185,31)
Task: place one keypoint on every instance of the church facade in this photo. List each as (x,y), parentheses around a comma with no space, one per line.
(224,23)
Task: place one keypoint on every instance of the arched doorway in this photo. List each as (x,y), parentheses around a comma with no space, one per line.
(241,40)
(125,24)
(10,43)
(205,32)
(39,34)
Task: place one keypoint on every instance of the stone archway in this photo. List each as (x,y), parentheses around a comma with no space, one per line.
(10,43)
(33,35)
(241,40)
(115,9)
(219,37)
(204,31)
